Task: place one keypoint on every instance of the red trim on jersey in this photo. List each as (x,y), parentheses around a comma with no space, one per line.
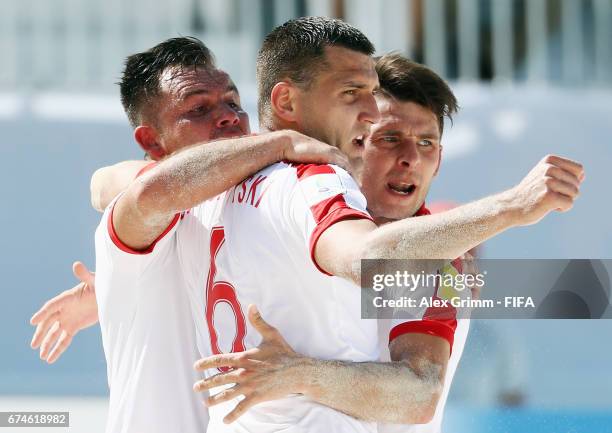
(422,211)
(306,170)
(146,168)
(340,211)
(429,327)
(325,208)
(327,212)
(126,249)
(446,316)
(438,321)
(113,234)
(458,264)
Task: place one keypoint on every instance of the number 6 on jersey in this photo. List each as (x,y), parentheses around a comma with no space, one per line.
(218,292)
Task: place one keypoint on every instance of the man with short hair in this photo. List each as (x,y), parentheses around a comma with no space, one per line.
(350,94)
(403,146)
(174,97)
(308,224)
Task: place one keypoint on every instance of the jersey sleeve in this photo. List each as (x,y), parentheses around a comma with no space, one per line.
(119,252)
(111,228)
(324,196)
(439,321)
(167,233)
(120,269)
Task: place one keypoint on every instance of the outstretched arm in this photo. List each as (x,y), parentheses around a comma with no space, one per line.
(553,184)
(404,391)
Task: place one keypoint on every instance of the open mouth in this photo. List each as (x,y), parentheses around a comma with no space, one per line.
(402,188)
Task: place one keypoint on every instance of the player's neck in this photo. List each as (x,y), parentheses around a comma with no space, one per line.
(275,123)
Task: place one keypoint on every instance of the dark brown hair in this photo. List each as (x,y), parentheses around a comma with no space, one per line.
(140,78)
(408,81)
(293,51)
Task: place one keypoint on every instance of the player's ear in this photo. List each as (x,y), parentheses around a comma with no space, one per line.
(283,101)
(146,136)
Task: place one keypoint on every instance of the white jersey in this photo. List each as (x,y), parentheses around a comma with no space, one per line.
(260,251)
(255,244)
(433,321)
(148,336)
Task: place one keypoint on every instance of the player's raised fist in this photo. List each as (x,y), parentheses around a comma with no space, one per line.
(553,184)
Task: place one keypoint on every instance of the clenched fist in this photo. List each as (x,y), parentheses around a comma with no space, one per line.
(553,184)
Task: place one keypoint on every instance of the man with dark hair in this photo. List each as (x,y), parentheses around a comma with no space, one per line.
(307,224)
(408,91)
(402,150)
(404,145)
(304,224)
(297,53)
(408,81)
(174,96)
(140,81)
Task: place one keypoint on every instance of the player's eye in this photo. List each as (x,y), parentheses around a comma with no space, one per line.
(350,92)
(390,139)
(200,109)
(425,143)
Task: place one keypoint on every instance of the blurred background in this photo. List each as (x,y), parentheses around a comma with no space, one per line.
(532,77)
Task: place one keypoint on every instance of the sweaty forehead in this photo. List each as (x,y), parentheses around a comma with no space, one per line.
(182,82)
(405,116)
(345,65)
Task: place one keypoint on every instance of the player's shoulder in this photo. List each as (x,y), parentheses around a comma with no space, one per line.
(309,178)
(304,171)
(301,171)
(319,183)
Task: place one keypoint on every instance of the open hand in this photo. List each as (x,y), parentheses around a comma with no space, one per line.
(268,372)
(63,316)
